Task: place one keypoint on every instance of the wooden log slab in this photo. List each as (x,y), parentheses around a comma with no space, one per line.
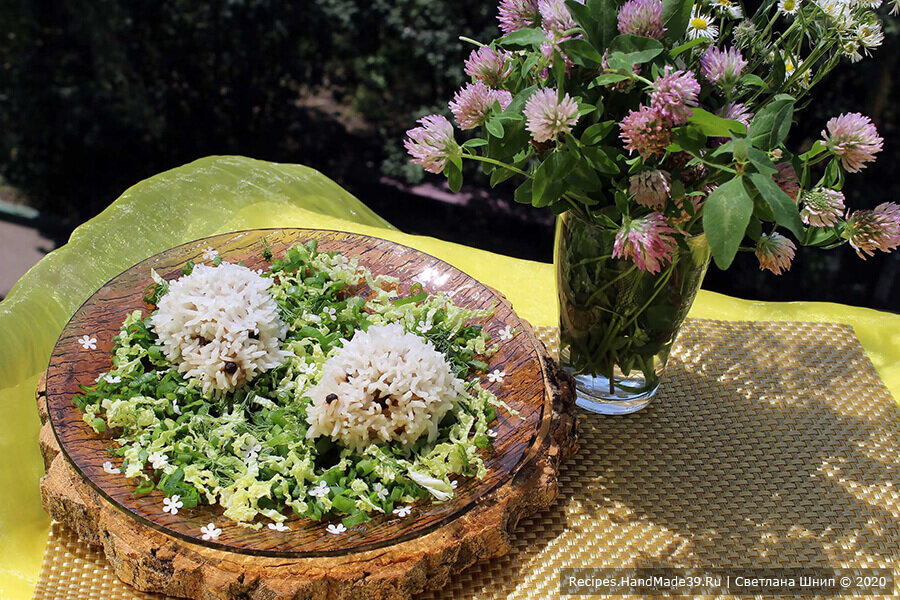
(158,557)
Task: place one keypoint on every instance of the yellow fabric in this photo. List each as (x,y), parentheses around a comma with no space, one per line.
(221,194)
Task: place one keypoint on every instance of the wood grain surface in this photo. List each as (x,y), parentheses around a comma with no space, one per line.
(524,388)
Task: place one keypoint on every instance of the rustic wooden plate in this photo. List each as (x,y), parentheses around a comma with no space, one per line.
(77,359)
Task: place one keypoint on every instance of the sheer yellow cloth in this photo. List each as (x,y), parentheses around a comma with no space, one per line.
(221,194)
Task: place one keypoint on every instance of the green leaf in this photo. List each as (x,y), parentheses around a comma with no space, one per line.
(605,14)
(499,175)
(581,52)
(547,186)
(636,49)
(817,148)
(596,132)
(715,126)
(454,176)
(754,80)
(674,52)
(726,214)
(676,14)
(518,103)
(772,123)
(600,161)
(761,161)
(475,143)
(607,78)
(523,192)
(690,138)
(495,128)
(784,209)
(523,37)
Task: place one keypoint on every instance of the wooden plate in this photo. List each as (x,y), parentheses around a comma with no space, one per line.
(77,359)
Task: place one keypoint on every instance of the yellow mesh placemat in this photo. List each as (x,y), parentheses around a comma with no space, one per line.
(768,445)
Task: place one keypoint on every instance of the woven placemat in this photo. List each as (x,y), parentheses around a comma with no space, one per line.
(768,445)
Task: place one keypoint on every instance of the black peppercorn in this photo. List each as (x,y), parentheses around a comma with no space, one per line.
(330,398)
(230,368)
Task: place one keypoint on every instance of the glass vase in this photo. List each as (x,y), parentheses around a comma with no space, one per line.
(617,323)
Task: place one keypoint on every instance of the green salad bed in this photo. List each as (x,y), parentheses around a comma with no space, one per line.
(247,450)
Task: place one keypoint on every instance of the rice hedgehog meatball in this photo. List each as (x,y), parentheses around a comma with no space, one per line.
(384,385)
(221,326)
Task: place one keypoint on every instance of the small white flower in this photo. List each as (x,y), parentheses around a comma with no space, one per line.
(210,254)
(279,527)
(251,452)
(335,529)
(112,378)
(454,484)
(158,460)
(307,368)
(423,327)
(88,342)
(496,376)
(506,333)
(492,433)
(311,318)
(402,511)
(380,491)
(175,407)
(789,7)
(331,312)
(109,468)
(211,532)
(171,505)
(702,26)
(320,491)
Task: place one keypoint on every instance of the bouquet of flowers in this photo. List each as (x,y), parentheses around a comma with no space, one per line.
(657,128)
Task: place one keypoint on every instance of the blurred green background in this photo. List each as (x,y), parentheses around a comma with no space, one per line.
(95,96)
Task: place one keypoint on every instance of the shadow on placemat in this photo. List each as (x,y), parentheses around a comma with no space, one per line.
(769,445)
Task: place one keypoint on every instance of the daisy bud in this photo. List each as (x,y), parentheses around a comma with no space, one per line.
(431,144)
(853,139)
(650,188)
(822,207)
(546,116)
(647,241)
(775,252)
(870,230)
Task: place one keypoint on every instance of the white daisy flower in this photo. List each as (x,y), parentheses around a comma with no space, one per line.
(210,254)
(870,35)
(702,26)
(279,527)
(109,468)
(402,511)
(112,378)
(380,491)
(210,532)
(851,51)
(789,7)
(158,460)
(320,491)
(335,529)
(88,342)
(331,312)
(505,334)
(729,7)
(251,452)
(171,505)
(496,376)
